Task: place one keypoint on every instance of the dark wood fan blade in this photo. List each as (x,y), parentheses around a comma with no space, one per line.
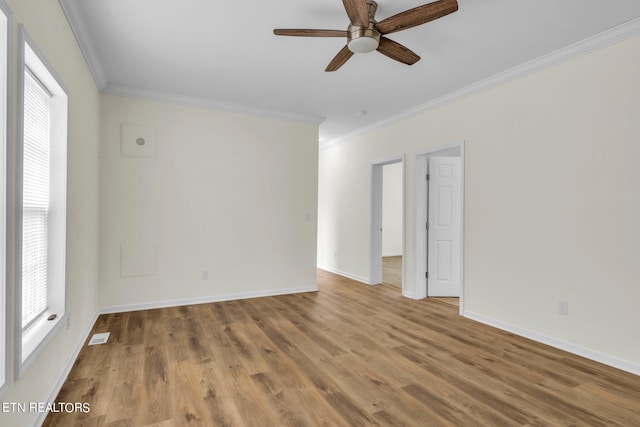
(357,11)
(310,33)
(396,51)
(339,60)
(417,16)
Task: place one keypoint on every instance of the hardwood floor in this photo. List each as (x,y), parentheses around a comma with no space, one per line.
(349,355)
(392,271)
(392,276)
(451,301)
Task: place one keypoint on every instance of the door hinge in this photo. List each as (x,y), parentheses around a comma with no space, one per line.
(428,177)
(427,224)
(426,275)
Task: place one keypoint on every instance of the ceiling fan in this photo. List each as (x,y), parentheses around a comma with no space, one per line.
(365,34)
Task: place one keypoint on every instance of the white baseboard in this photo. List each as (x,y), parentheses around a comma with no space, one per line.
(410,295)
(146,306)
(355,277)
(206,300)
(588,353)
(391,254)
(576,349)
(65,372)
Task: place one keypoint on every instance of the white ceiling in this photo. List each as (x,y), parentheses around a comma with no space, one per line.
(224,53)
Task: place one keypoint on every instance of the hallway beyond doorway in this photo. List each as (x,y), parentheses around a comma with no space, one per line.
(392,271)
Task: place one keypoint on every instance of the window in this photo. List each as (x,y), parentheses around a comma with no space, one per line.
(35,198)
(5,27)
(42,164)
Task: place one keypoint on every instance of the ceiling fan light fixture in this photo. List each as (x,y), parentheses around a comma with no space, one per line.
(365,33)
(363,45)
(363,39)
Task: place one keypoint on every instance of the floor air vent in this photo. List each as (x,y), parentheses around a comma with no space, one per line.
(99,339)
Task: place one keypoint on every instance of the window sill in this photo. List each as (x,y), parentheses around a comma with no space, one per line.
(36,338)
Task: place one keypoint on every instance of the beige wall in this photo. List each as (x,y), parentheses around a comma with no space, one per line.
(551,199)
(48,27)
(227,193)
(392,209)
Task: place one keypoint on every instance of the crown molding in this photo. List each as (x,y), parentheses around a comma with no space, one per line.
(73,13)
(193,101)
(583,47)
(615,35)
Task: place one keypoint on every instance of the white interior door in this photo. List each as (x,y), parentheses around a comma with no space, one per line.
(444,228)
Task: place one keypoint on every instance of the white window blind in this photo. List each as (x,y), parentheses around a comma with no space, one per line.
(35,196)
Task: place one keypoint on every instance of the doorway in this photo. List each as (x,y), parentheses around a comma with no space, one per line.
(392,225)
(386,258)
(439,220)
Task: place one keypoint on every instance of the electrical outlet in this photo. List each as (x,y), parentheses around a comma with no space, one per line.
(205,275)
(563,308)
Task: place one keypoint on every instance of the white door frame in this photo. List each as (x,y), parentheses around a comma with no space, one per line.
(375,220)
(421,216)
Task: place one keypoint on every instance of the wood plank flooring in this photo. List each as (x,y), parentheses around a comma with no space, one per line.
(392,276)
(451,301)
(349,355)
(392,271)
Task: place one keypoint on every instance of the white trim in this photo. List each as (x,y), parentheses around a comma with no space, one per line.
(67,369)
(351,276)
(624,365)
(583,47)
(72,11)
(375,217)
(606,38)
(409,295)
(41,340)
(576,349)
(389,160)
(74,14)
(194,101)
(447,149)
(147,306)
(206,300)
(30,55)
(7,217)
(375,223)
(462,228)
(420,217)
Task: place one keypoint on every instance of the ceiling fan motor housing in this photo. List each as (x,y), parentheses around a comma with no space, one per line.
(364,39)
(365,34)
